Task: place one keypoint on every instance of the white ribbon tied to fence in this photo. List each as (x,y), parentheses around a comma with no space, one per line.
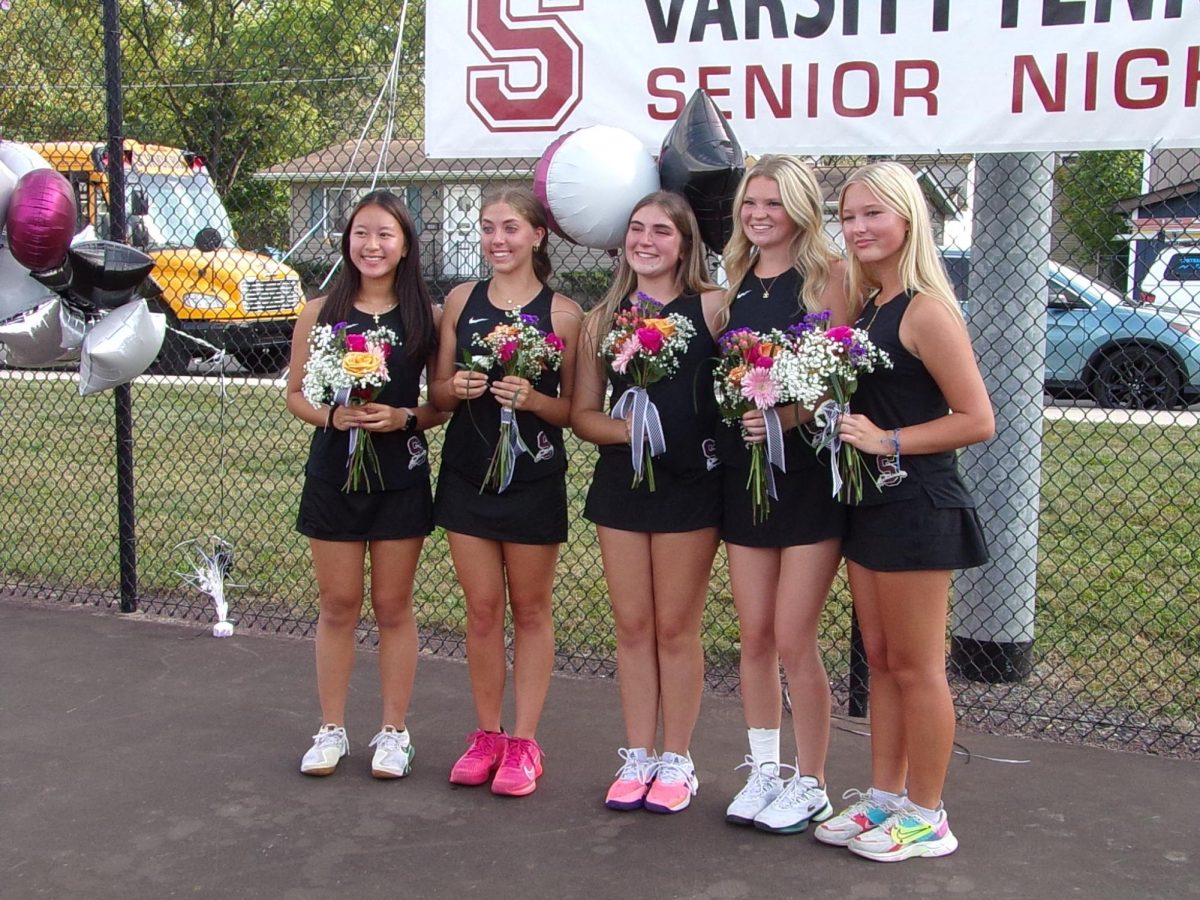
(646,426)
(828,417)
(511,433)
(776,458)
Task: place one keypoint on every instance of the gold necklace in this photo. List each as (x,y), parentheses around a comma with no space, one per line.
(766,294)
(382,312)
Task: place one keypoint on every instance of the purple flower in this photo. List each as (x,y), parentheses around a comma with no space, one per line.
(648,304)
(340,326)
(811,322)
(528,319)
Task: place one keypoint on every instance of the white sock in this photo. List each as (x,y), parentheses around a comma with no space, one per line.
(764,745)
(883,798)
(929,815)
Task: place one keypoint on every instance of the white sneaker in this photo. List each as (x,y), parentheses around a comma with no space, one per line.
(393,753)
(675,784)
(330,744)
(802,800)
(763,785)
(864,813)
(904,834)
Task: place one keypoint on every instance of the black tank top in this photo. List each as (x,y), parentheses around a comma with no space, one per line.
(783,306)
(685,400)
(403,458)
(475,427)
(903,395)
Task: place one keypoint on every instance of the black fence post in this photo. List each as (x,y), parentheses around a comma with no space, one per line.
(860,675)
(123,395)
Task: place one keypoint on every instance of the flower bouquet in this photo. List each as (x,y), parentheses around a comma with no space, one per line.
(644,346)
(761,371)
(837,357)
(519,349)
(349,369)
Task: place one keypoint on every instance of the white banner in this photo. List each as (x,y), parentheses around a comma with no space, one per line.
(504,77)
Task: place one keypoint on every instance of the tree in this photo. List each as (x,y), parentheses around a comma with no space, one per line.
(1091,183)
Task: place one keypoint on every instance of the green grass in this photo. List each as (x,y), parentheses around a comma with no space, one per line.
(1117,623)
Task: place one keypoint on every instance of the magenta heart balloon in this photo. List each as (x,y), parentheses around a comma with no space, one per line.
(41,219)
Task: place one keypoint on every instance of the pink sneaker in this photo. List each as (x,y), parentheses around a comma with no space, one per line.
(481,759)
(633,780)
(520,768)
(674,784)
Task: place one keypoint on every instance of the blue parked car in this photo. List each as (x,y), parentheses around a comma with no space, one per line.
(1098,348)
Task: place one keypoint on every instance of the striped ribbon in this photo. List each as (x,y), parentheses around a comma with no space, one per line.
(342,398)
(516,446)
(647,425)
(828,417)
(775,455)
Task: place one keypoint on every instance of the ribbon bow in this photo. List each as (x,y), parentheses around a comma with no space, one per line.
(775,455)
(828,417)
(647,425)
(516,446)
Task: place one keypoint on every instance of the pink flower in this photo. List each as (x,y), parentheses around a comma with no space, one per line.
(842,333)
(507,350)
(759,388)
(556,342)
(386,349)
(650,338)
(356,343)
(626,354)
(756,359)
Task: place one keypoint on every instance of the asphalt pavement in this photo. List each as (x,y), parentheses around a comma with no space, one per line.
(144,758)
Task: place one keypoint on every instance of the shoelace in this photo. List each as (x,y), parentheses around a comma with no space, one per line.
(634,769)
(483,745)
(760,781)
(516,751)
(324,738)
(797,793)
(860,804)
(387,741)
(674,771)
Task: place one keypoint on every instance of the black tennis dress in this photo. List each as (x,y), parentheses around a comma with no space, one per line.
(533,509)
(806,511)
(687,477)
(928,520)
(399,505)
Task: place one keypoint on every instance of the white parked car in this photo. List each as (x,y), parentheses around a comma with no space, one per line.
(1172,285)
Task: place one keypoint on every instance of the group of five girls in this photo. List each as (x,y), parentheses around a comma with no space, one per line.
(658,543)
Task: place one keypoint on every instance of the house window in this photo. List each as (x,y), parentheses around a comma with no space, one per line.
(416,206)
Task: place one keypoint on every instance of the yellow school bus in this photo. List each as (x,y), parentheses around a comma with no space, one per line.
(243,302)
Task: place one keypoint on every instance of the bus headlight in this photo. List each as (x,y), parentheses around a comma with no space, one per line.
(203,301)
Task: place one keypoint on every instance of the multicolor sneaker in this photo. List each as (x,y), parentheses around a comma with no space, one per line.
(520,769)
(903,834)
(762,786)
(330,744)
(674,784)
(393,753)
(801,801)
(864,813)
(481,760)
(633,780)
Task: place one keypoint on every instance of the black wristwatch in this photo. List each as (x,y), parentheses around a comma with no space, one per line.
(410,424)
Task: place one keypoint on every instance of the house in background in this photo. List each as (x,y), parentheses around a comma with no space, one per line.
(1168,213)
(444,197)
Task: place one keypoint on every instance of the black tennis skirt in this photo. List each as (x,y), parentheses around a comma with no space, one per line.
(327,513)
(677,503)
(805,513)
(914,534)
(529,512)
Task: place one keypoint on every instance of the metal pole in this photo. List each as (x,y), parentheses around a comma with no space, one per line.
(860,673)
(123,395)
(993,617)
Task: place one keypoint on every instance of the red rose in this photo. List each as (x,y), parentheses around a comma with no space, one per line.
(651,339)
(356,343)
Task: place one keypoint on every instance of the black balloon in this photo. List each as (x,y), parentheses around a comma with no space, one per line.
(105,274)
(702,160)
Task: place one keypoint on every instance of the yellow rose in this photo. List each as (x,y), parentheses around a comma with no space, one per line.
(359,365)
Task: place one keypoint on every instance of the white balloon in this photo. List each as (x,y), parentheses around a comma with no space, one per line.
(8,181)
(120,347)
(595,177)
(18,290)
(21,158)
(34,338)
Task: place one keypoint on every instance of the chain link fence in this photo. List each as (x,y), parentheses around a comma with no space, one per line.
(252,127)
